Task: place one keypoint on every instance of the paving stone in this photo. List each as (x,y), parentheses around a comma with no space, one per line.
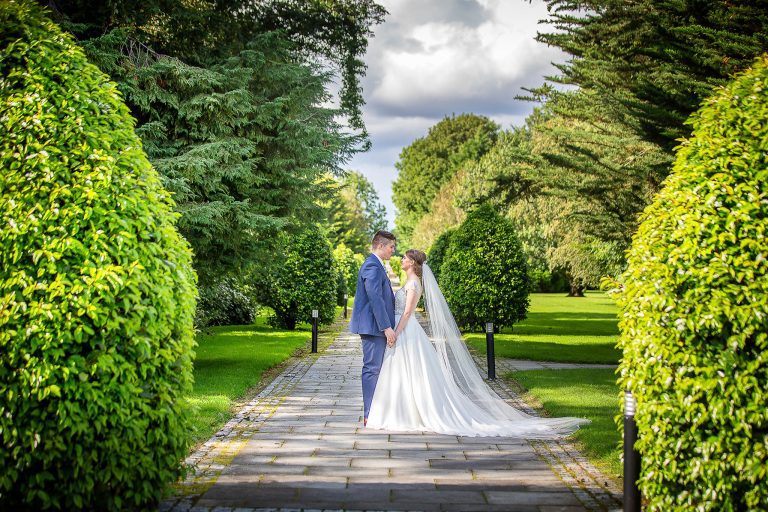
(486,507)
(314,496)
(531,498)
(558,508)
(389,463)
(436,496)
(384,444)
(303,481)
(300,444)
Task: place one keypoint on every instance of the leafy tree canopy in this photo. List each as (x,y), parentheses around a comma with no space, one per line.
(484,274)
(431,161)
(354,213)
(302,277)
(199,33)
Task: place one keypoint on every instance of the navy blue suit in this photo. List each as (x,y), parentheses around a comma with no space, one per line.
(373,312)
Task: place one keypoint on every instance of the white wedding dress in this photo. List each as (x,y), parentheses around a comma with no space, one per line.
(419,391)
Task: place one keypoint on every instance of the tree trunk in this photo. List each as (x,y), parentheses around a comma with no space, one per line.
(577,288)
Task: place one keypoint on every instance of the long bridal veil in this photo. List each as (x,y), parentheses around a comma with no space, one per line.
(457,364)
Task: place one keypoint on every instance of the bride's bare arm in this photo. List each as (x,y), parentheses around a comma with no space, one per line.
(411,300)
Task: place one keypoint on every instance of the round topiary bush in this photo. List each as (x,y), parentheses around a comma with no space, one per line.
(439,251)
(97,292)
(694,313)
(485,276)
(302,278)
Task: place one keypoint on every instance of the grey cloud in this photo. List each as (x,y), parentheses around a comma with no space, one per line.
(433,58)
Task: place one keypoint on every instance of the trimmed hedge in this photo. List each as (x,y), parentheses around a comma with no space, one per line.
(485,275)
(439,251)
(694,313)
(97,291)
(303,277)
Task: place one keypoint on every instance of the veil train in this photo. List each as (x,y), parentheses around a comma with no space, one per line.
(457,365)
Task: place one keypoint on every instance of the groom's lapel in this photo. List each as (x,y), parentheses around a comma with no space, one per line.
(384,269)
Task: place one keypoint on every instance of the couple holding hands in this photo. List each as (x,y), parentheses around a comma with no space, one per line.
(415,382)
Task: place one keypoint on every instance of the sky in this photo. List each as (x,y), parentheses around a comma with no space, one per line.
(434,58)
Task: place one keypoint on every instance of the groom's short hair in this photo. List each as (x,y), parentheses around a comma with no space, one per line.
(381,237)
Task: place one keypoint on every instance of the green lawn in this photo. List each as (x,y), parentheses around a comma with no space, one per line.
(559,328)
(231,361)
(583,393)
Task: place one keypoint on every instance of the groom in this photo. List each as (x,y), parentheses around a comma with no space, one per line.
(373,315)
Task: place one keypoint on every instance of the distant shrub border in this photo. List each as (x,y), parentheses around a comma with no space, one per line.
(97,291)
(694,313)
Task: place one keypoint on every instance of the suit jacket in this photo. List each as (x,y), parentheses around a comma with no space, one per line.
(374,308)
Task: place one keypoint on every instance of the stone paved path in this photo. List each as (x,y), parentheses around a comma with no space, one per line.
(300,445)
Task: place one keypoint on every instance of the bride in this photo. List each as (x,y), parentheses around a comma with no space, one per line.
(434,385)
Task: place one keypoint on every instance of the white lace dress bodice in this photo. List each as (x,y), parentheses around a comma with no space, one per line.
(400,296)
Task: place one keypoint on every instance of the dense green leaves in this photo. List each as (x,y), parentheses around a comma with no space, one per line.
(354,213)
(97,292)
(302,277)
(484,275)
(433,160)
(694,304)
(202,33)
(242,144)
(439,251)
(227,301)
(347,264)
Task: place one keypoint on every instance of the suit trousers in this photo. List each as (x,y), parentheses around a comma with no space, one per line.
(373,357)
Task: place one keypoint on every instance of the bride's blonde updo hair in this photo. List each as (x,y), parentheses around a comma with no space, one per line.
(418,257)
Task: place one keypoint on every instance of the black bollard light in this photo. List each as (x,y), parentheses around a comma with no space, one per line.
(346,299)
(314,331)
(489,351)
(631,456)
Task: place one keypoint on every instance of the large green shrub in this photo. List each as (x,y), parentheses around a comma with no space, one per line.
(225,301)
(439,251)
(484,276)
(97,292)
(694,313)
(303,277)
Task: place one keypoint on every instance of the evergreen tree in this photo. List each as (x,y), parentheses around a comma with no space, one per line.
(229,111)
(654,61)
(201,33)
(242,144)
(642,67)
(374,212)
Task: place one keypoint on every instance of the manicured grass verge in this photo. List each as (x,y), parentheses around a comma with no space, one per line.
(231,360)
(583,393)
(562,329)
